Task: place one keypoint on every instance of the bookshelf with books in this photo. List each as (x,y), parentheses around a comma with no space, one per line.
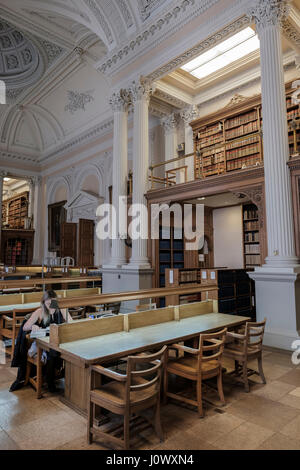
(16,211)
(231,139)
(17,247)
(252,252)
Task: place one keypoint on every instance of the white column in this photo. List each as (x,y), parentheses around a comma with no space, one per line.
(188,115)
(36,198)
(140,96)
(280,227)
(277,282)
(119,103)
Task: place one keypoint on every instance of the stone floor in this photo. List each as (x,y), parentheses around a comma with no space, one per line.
(266,418)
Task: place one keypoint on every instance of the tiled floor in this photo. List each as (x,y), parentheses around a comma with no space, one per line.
(266,418)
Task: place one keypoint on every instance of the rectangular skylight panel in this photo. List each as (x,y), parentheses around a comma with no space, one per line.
(227,58)
(219,49)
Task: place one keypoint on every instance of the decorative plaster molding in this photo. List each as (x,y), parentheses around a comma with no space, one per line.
(173,100)
(175,17)
(170,122)
(84,138)
(101,20)
(199,48)
(120,101)
(255,194)
(236,99)
(125,12)
(290,32)
(267,13)
(146,7)
(141,90)
(78,101)
(189,114)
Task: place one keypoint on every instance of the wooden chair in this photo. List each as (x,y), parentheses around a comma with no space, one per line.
(197,365)
(10,324)
(77,313)
(127,394)
(37,380)
(246,346)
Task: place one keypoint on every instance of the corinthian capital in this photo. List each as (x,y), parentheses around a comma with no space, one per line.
(120,101)
(169,122)
(189,114)
(141,91)
(268,12)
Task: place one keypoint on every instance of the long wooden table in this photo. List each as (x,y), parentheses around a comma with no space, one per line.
(145,330)
(7,284)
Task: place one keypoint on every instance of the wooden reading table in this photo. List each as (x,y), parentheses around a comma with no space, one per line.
(105,340)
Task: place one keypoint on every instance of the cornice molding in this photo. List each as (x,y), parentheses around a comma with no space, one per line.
(171,99)
(291,33)
(154,34)
(203,46)
(86,137)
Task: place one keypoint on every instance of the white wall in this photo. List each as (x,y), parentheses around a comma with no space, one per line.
(228,237)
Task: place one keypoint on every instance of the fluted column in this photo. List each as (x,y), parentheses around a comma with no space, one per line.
(268,15)
(188,115)
(119,103)
(140,93)
(170,124)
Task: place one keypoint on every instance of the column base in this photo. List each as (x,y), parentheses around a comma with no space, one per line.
(282,262)
(278,300)
(126,279)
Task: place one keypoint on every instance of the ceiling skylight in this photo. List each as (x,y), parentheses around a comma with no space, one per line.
(234,48)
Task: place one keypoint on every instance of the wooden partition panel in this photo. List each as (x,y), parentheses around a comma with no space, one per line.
(11,299)
(85,291)
(194,309)
(83,329)
(150,317)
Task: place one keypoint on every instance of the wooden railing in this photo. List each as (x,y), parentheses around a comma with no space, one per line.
(170,178)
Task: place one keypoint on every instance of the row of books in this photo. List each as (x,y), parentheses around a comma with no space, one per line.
(188,276)
(215,139)
(293,114)
(249,249)
(289,102)
(250,214)
(251,225)
(238,120)
(213,151)
(243,152)
(243,129)
(253,139)
(219,158)
(252,260)
(251,237)
(244,162)
(210,131)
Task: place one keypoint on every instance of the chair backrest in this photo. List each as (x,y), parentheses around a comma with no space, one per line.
(20,315)
(156,361)
(77,313)
(254,333)
(212,343)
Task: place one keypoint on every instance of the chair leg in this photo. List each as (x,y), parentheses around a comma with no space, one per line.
(126,430)
(236,367)
(245,376)
(157,422)
(260,368)
(39,374)
(90,422)
(165,398)
(28,370)
(199,398)
(220,387)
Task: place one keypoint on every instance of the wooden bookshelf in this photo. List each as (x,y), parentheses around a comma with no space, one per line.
(235,294)
(15,211)
(231,139)
(17,247)
(251,236)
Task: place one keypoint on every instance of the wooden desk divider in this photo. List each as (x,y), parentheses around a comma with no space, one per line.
(84,329)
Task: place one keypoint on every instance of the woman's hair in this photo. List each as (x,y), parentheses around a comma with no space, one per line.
(49,294)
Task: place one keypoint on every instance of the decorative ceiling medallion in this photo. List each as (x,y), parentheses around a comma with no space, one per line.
(78,101)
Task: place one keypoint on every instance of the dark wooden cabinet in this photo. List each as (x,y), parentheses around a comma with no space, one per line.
(86,242)
(68,240)
(17,247)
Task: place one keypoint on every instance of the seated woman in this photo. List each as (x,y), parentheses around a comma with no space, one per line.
(46,314)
